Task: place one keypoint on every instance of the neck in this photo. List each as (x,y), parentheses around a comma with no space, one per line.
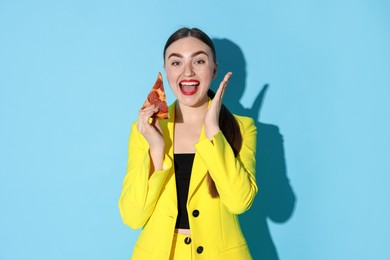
(185,114)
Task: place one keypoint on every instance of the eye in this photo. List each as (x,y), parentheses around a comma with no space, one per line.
(175,63)
(200,61)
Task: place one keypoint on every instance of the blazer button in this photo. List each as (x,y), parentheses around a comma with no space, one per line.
(195,213)
(187,240)
(199,250)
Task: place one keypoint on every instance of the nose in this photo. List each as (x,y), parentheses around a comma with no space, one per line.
(188,70)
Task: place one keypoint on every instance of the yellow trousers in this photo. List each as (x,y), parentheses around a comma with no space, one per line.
(181,247)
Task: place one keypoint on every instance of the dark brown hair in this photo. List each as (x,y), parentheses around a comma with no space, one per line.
(227,122)
(187,32)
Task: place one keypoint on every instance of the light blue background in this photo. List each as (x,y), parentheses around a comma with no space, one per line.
(73,75)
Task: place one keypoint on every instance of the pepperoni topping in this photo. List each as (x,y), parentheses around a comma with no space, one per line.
(153,95)
(163,107)
(159,84)
(157,102)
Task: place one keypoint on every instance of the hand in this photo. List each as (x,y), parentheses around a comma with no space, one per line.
(211,119)
(154,135)
(150,130)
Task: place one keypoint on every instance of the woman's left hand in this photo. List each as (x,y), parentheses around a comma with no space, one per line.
(211,119)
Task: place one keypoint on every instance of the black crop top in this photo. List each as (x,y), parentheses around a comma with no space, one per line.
(183,166)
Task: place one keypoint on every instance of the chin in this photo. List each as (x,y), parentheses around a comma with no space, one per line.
(191,102)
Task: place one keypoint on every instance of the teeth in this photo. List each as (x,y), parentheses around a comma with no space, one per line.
(189,83)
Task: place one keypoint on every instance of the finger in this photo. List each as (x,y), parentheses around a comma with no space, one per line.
(156,125)
(222,86)
(145,115)
(148,110)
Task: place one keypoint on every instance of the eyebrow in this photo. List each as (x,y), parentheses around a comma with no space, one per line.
(192,55)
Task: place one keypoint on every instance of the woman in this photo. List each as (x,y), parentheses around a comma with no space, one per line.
(189,176)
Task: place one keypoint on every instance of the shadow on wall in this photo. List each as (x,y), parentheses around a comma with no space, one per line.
(276,199)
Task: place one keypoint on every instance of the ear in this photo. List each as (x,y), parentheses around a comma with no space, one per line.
(215,71)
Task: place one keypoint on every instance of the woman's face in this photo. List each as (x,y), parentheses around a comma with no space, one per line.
(190,68)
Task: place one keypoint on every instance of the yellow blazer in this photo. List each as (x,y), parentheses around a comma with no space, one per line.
(151,203)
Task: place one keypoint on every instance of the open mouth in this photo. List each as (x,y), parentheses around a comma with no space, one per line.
(189,87)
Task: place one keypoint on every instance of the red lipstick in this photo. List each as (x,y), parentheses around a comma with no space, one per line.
(189,87)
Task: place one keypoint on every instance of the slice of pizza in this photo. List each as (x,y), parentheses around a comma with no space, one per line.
(157,97)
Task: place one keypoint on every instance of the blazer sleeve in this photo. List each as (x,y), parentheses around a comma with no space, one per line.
(234,177)
(140,191)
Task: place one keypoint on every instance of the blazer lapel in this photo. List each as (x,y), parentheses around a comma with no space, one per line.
(168,138)
(199,171)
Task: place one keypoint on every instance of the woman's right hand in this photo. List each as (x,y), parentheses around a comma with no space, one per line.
(150,130)
(153,134)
